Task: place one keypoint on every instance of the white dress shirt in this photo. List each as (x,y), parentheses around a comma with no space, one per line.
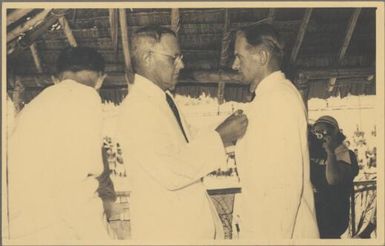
(168,200)
(273,161)
(54,155)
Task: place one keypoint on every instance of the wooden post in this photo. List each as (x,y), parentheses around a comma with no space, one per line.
(353,212)
(300,35)
(175,21)
(17,15)
(36,58)
(27,25)
(224,55)
(348,36)
(67,31)
(125,45)
(114,20)
(18,95)
(302,84)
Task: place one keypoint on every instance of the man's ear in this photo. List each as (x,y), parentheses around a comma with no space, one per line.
(263,57)
(147,58)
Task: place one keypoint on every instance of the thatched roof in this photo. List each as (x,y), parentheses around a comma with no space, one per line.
(321,44)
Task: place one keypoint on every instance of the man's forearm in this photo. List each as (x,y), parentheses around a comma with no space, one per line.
(332,169)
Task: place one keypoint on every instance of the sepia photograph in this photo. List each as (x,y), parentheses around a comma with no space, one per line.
(192,123)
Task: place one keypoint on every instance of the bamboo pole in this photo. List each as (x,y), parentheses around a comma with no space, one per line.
(30,24)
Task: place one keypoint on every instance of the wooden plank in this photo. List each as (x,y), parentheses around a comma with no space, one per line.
(125,45)
(17,15)
(300,35)
(114,20)
(226,39)
(67,31)
(175,20)
(30,24)
(36,58)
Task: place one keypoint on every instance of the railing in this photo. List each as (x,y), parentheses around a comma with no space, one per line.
(362,205)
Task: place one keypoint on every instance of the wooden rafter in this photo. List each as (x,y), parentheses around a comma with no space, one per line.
(34,21)
(17,15)
(34,34)
(271,15)
(125,45)
(349,33)
(67,31)
(175,20)
(114,26)
(348,36)
(300,35)
(36,58)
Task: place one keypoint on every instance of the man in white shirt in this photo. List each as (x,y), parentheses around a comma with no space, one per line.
(54,156)
(273,160)
(168,201)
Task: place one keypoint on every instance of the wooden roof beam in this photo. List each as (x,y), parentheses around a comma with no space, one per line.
(348,36)
(67,31)
(36,58)
(300,35)
(125,45)
(175,20)
(114,26)
(26,26)
(17,15)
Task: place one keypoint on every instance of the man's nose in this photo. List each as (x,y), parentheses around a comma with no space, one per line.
(181,64)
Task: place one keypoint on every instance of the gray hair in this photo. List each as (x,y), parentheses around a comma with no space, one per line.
(146,38)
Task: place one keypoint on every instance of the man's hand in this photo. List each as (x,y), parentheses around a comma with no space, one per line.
(232,128)
(329,144)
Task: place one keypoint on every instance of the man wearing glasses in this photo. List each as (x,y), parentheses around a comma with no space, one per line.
(165,164)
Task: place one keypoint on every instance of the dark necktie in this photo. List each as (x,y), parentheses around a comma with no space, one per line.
(176,113)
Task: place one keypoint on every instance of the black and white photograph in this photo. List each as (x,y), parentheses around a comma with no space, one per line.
(192,123)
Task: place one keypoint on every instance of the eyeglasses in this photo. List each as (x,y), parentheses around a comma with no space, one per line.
(175,58)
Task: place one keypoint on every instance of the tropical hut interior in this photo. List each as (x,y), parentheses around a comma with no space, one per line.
(329,52)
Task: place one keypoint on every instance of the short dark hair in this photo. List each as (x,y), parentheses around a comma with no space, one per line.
(79,58)
(144,38)
(265,34)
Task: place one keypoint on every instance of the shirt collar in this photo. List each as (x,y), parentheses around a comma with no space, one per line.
(148,87)
(269,81)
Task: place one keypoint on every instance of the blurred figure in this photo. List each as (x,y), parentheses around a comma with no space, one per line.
(333,168)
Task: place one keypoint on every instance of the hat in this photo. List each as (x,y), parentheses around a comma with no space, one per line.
(328,120)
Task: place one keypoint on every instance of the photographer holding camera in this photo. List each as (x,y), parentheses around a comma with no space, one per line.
(333,168)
